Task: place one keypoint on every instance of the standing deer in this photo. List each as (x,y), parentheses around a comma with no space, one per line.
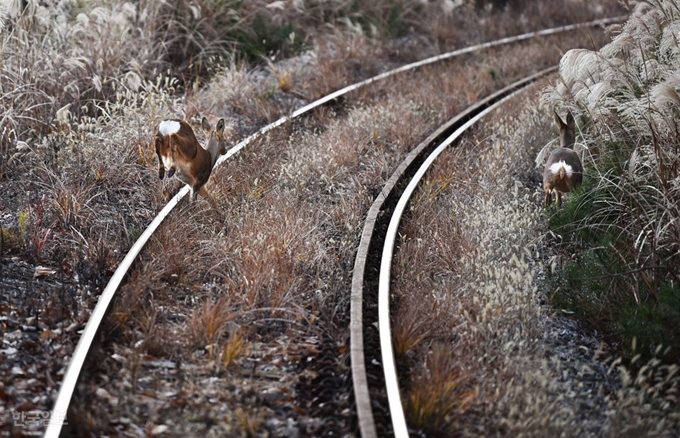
(563,170)
(180,154)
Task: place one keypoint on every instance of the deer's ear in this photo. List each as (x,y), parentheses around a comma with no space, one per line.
(558,119)
(220,125)
(570,121)
(205,124)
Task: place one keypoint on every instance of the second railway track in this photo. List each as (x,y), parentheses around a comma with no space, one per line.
(377,243)
(324,353)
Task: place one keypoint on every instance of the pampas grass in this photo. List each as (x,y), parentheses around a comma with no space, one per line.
(626,96)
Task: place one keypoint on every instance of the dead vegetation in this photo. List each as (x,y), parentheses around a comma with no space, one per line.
(223,327)
(281,267)
(474,256)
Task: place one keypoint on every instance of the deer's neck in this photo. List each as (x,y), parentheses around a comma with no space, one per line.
(213,149)
(567,140)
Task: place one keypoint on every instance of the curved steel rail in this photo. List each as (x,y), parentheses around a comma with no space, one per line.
(459,124)
(391,378)
(82,348)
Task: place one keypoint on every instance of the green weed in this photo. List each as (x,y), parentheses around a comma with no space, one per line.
(23,225)
(617,278)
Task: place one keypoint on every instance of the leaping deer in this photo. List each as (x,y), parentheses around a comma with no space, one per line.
(180,154)
(563,170)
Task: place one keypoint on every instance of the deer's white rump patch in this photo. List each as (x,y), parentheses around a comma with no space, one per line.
(168,127)
(555,168)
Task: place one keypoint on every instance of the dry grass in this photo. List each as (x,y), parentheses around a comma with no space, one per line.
(437,397)
(294,206)
(515,367)
(495,321)
(82,88)
(208,324)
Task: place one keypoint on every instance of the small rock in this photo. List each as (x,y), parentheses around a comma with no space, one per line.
(159,429)
(13,336)
(104,395)
(73,327)
(42,271)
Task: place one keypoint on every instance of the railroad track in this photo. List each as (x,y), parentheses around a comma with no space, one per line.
(377,242)
(366,423)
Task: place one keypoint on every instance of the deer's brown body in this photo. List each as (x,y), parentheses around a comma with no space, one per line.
(180,154)
(563,170)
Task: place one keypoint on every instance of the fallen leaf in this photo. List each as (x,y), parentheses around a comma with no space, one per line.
(104,395)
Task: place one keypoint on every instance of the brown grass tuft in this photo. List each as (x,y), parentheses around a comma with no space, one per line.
(207,325)
(437,394)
